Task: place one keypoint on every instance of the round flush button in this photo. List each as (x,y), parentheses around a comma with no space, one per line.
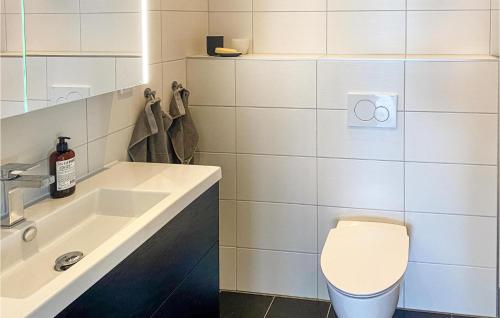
(381,114)
(365,110)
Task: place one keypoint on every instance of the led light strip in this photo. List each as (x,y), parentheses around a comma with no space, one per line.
(25,73)
(145,40)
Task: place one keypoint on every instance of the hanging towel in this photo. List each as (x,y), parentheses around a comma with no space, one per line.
(165,137)
(150,142)
(182,132)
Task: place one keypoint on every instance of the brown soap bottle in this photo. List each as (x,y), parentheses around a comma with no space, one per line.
(63,168)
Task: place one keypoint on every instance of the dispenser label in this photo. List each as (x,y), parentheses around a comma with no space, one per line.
(65,174)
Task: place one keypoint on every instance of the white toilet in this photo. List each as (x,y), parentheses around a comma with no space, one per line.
(364,263)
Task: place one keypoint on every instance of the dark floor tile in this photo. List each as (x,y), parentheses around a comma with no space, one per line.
(239,305)
(332,314)
(417,314)
(297,308)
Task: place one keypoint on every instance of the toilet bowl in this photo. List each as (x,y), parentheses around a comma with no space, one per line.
(364,264)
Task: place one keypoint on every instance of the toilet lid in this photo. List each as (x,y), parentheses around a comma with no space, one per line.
(365,258)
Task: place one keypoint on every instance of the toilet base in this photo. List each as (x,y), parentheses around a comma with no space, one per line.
(380,306)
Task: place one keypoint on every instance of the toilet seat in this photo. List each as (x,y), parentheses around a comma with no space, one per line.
(365,259)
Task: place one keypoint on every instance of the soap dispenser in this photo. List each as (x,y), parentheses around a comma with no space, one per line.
(63,168)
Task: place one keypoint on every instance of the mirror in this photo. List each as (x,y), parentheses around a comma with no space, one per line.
(59,51)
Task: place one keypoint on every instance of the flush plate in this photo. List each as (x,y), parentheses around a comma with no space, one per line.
(376,110)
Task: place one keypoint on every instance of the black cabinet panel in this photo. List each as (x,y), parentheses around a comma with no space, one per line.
(142,282)
(195,296)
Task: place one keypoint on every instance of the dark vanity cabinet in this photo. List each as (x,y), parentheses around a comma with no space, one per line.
(175,273)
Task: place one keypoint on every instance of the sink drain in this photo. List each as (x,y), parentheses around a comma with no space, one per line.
(67,260)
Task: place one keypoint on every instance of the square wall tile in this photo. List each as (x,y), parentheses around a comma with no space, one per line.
(111,112)
(111,148)
(452,138)
(361,184)
(348,5)
(227,223)
(44,32)
(216,127)
(271,226)
(293,131)
(212,82)
(281,273)
(269,83)
(378,32)
(228,164)
(463,240)
(185,5)
(96,72)
(128,72)
(277,179)
(453,189)
(446,288)
(337,139)
(42,6)
(289,5)
(449,5)
(452,86)
(460,32)
(227,258)
(233,25)
(230,5)
(289,32)
(109,6)
(338,78)
(184,34)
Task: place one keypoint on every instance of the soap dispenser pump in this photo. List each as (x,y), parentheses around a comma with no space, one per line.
(63,168)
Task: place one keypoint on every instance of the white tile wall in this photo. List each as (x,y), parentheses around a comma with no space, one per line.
(336,139)
(357,26)
(463,240)
(452,87)
(273,272)
(280,132)
(451,138)
(272,226)
(269,83)
(451,188)
(449,288)
(297,169)
(338,78)
(277,179)
(361,184)
(380,32)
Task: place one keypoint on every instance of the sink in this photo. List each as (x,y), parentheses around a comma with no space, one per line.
(82,225)
(111,214)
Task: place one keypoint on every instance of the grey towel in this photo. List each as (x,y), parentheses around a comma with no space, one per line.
(165,138)
(182,132)
(150,142)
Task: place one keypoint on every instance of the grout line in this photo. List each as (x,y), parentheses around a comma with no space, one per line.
(328,312)
(269,308)
(236,169)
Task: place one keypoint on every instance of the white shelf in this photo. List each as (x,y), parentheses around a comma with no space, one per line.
(370,57)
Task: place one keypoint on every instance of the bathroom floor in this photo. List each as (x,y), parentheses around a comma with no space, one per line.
(240,305)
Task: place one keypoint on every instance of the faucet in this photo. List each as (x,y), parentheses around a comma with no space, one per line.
(12,212)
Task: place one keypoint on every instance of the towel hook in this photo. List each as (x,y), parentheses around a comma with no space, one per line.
(149,93)
(176,86)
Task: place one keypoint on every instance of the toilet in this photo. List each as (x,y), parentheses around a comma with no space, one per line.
(364,264)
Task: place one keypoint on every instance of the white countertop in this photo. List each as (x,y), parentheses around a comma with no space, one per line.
(182,183)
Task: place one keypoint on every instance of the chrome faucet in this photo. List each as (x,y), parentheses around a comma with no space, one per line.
(12,199)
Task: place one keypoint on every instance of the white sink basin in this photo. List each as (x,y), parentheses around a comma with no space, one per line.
(110,215)
(80,226)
